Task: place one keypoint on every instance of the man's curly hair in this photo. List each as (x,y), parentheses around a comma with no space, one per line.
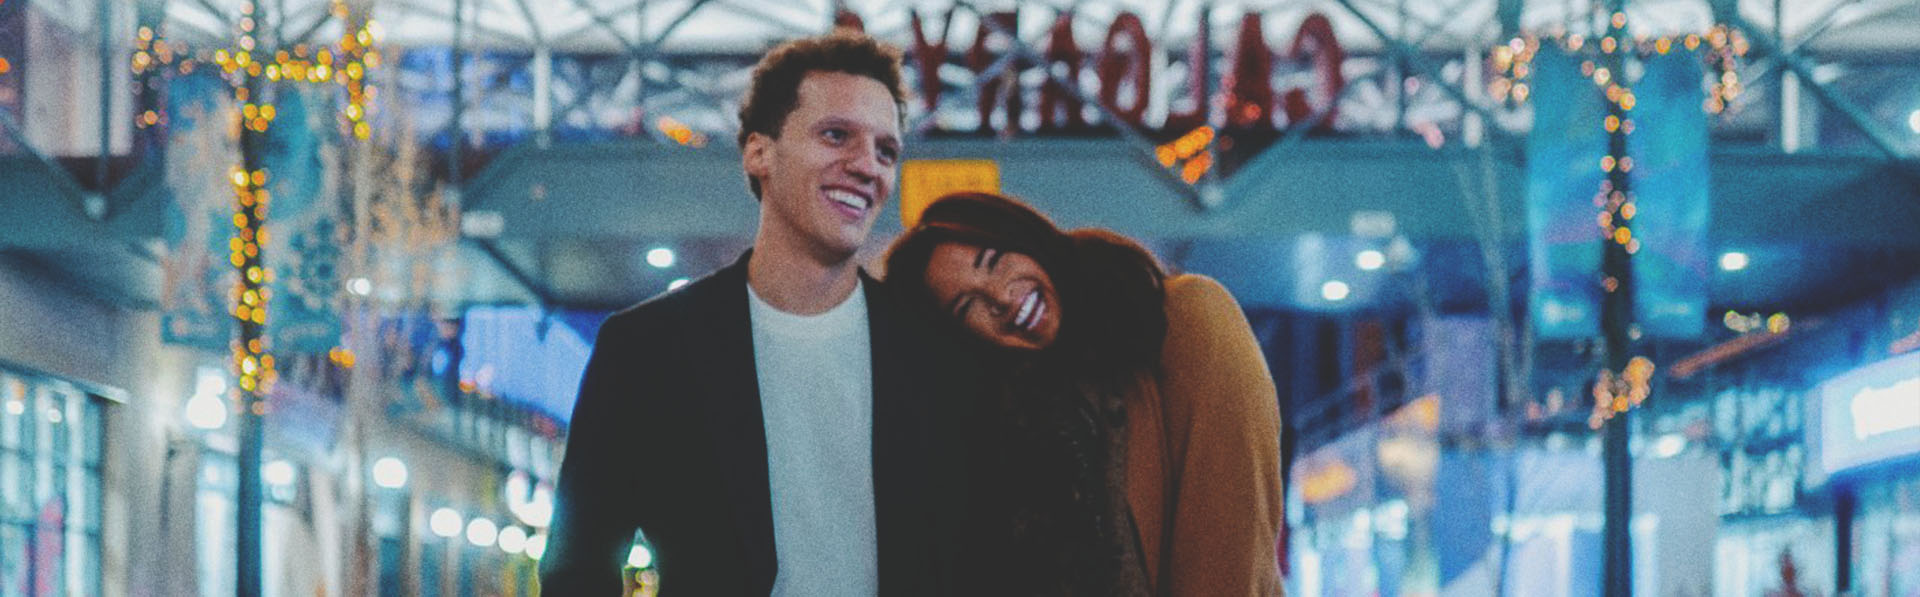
(775,90)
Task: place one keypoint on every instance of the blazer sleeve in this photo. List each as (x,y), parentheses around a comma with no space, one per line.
(592,525)
(1223,431)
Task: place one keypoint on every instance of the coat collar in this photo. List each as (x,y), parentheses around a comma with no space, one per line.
(720,354)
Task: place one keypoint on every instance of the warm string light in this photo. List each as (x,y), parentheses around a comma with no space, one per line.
(1748,323)
(358,57)
(1512,65)
(1512,62)
(1617,208)
(680,133)
(1726,46)
(1616,205)
(1193,147)
(1615,394)
(6,66)
(252,294)
(246,66)
(152,55)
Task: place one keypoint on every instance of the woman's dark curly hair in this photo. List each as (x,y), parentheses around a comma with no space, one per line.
(1112,317)
(1059,418)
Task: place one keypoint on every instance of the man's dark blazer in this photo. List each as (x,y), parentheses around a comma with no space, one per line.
(668,437)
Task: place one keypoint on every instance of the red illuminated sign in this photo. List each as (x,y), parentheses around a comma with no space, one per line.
(1123,70)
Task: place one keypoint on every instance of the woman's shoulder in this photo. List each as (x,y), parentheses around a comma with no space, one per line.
(1196,294)
(1202,319)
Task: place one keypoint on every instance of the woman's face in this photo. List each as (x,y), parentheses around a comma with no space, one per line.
(1002,297)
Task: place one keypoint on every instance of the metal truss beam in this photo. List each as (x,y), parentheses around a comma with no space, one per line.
(1877,134)
(533,24)
(1411,56)
(207,36)
(675,24)
(583,92)
(218,14)
(1142,149)
(641,53)
(11,124)
(756,11)
(601,21)
(312,28)
(448,16)
(1766,65)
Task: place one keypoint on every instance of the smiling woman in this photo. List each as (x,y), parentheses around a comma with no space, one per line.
(1001,296)
(1132,447)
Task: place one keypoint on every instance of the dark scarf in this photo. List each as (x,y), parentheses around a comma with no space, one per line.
(1057,506)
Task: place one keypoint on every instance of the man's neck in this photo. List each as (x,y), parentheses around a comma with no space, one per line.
(795,280)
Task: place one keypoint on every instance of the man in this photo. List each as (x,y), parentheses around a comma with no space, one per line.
(769,428)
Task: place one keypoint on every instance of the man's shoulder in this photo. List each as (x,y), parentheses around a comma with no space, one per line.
(695,299)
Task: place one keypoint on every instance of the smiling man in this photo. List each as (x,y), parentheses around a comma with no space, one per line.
(769,427)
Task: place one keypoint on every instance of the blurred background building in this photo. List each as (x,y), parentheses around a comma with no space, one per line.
(1424,208)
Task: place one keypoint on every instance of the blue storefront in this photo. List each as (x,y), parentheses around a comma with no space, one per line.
(1864,438)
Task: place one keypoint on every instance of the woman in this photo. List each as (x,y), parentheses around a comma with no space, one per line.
(1137,432)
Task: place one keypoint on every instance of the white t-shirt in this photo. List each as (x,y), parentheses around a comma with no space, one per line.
(816,395)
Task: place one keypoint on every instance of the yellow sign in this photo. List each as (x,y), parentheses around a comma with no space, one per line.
(922,181)
(1327,481)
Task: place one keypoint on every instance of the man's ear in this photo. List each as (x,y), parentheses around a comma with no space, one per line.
(757,156)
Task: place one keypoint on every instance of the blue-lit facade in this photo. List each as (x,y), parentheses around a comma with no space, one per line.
(1790,446)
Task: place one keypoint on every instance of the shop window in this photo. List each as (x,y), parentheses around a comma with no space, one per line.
(50,494)
(214,518)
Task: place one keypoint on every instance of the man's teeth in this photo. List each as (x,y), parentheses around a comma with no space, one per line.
(848,199)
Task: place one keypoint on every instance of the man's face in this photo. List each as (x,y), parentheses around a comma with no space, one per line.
(824,180)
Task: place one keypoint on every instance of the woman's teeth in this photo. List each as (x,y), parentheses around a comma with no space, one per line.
(1029,311)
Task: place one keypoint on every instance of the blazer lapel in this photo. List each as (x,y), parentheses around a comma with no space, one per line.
(721,357)
(899,429)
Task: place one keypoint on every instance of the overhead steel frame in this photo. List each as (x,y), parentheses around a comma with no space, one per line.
(1402,45)
(1793,60)
(640,50)
(1205,196)
(1509,19)
(543,56)
(1142,148)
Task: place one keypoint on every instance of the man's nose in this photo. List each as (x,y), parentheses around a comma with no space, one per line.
(865,163)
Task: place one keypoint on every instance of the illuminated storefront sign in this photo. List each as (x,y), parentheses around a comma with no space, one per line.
(1868,416)
(1122,67)
(1880,411)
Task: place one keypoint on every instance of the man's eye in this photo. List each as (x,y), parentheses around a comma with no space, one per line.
(834,135)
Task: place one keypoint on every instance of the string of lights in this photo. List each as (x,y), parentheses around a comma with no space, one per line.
(248,71)
(1194,147)
(1604,64)
(6,66)
(1512,62)
(252,199)
(251,358)
(1616,393)
(359,56)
